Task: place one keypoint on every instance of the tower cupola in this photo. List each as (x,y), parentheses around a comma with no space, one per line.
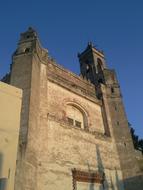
(27,42)
(92,64)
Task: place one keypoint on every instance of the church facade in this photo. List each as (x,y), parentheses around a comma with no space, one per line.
(74,131)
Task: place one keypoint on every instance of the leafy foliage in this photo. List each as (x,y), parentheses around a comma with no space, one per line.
(138,143)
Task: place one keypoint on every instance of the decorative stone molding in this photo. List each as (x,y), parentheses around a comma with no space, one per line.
(89,177)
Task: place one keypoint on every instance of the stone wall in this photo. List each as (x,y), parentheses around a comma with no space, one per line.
(63,147)
(50,148)
(10,108)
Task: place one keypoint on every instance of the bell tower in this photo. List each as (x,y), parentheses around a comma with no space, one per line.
(93,68)
(28,70)
(92,64)
(22,75)
(27,42)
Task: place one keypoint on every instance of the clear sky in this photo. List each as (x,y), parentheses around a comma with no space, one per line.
(65,27)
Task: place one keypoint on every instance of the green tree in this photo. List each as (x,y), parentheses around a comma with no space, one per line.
(135,138)
(138,143)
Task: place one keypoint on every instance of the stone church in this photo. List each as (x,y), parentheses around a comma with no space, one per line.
(74,132)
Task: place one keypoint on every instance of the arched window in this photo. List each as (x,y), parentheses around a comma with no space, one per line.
(76,116)
(27,50)
(99,65)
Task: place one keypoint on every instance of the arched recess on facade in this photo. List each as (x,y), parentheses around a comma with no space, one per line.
(76,115)
(99,65)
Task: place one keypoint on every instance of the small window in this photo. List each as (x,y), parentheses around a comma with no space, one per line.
(112,90)
(27,50)
(117,122)
(100,80)
(99,65)
(70,121)
(87,61)
(77,123)
(87,68)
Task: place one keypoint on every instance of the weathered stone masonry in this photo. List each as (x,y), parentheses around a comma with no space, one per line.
(74,131)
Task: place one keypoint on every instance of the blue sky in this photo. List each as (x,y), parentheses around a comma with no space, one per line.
(65,27)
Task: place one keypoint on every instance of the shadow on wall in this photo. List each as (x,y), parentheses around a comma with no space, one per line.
(104,185)
(134,183)
(119,183)
(112,186)
(91,187)
(101,169)
(3,181)
(1,162)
